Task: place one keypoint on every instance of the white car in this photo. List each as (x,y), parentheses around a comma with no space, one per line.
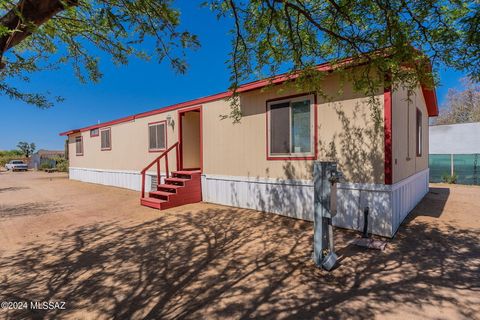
(16,165)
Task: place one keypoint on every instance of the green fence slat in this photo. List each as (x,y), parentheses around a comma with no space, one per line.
(465,166)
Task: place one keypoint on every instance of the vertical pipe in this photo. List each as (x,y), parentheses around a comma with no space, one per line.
(365,222)
(451,165)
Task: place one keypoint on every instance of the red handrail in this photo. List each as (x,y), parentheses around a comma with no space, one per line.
(157,161)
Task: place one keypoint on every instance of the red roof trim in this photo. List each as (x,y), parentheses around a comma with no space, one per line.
(430,97)
(69,132)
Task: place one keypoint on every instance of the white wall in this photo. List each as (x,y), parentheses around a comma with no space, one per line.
(461,138)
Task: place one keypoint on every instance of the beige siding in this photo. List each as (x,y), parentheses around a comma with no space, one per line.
(129,146)
(346,133)
(345,127)
(405,160)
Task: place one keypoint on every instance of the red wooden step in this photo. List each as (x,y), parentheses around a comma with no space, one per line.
(160,194)
(185,173)
(152,202)
(169,187)
(183,187)
(176,180)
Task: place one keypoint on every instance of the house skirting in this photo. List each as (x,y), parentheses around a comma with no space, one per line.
(117,178)
(389,204)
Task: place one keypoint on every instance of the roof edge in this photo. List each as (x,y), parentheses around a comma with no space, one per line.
(429,95)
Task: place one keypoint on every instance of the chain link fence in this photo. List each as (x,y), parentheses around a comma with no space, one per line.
(466,167)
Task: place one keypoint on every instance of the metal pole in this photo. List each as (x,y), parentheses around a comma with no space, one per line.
(322,214)
(451,165)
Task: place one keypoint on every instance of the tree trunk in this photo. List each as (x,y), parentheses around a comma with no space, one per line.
(25,17)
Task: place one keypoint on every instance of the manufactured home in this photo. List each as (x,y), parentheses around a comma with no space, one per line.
(187,153)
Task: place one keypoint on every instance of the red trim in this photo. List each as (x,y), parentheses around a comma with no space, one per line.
(387,114)
(180,113)
(100,132)
(81,139)
(327,66)
(67,133)
(429,95)
(166,140)
(315,125)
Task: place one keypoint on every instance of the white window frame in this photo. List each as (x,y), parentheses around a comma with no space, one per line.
(101,139)
(419,132)
(291,100)
(93,134)
(158,123)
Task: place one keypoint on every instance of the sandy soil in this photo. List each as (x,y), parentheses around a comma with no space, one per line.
(107,257)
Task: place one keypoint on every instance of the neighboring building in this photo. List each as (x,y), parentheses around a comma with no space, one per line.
(45,156)
(265,161)
(455,150)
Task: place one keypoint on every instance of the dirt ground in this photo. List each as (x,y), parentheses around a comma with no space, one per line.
(96,249)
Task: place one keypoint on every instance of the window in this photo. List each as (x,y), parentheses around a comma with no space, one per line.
(94,133)
(157,136)
(290,126)
(79,146)
(106,137)
(419,133)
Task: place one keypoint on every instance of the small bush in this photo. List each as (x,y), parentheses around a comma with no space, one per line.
(62,164)
(46,165)
(4,159)
(449,178)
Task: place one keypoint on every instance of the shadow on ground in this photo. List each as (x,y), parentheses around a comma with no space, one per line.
(12,189)
(30,209)
(433,204)
(225,262)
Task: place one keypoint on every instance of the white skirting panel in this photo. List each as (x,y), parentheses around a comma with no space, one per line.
(117,178)
(285,197)
(406,194)
(388,205)
(353,198)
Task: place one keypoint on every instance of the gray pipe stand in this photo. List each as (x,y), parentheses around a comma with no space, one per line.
(325,176)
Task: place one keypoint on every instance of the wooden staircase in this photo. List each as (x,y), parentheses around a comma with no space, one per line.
(182,188)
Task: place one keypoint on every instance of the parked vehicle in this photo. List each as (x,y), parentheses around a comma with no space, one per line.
(16,165)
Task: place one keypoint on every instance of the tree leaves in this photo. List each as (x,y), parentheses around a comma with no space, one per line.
(81,30)
(403,39)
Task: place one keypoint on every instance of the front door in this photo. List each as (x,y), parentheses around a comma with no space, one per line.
(191,139)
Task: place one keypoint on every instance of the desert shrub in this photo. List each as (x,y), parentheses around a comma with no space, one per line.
(449,178)
(14,153)
(46,165)
(62,163)
(6,157)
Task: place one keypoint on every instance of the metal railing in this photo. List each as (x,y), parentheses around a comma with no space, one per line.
(175,146)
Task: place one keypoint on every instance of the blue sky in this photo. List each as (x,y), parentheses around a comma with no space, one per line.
(126,90)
